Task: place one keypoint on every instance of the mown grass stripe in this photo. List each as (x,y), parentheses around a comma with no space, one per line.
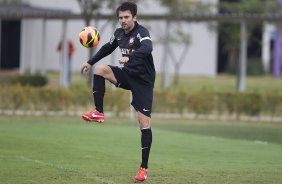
(71,170)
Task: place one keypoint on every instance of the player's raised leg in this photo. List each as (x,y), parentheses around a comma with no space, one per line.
(101,73)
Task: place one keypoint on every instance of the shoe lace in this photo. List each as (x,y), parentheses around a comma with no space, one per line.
(91,112)
(142,171)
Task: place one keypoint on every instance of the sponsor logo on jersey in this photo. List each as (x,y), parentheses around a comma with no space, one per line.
(112,39)
(125,51)
(138,36)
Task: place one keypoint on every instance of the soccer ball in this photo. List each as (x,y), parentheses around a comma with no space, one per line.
(89,37)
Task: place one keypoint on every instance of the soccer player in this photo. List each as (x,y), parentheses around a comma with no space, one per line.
(136,73)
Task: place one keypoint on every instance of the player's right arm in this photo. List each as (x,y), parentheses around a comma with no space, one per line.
(104,51)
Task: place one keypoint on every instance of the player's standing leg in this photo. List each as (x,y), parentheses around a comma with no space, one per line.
(146,141)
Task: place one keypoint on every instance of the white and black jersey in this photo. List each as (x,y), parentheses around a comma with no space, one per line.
(137,45)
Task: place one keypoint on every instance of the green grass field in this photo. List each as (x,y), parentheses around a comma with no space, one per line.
(66,150)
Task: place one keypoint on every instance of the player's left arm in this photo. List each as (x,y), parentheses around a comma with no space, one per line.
(146,46)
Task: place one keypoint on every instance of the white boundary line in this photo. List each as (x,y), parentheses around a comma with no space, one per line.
(60,167)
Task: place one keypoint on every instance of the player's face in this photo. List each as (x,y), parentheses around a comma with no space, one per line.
(126,20)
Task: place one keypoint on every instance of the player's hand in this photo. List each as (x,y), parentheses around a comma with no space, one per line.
(85,68)
(123,60)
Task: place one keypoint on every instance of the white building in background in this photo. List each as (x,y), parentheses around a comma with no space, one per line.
(201,58)
(267,36)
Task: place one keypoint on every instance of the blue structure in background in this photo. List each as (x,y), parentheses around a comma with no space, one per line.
(277,53)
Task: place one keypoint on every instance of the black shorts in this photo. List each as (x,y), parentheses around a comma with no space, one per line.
(142,93)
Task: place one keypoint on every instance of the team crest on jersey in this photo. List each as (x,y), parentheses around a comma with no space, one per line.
(131,41)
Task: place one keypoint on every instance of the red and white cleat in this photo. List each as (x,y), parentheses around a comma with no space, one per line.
(141,175)
(93,116)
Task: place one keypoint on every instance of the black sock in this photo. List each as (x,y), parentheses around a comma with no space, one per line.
(98,92)
(146,141)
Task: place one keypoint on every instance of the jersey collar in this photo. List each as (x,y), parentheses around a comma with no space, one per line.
(135,26)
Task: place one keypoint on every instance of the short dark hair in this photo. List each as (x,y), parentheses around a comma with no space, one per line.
(132,7)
